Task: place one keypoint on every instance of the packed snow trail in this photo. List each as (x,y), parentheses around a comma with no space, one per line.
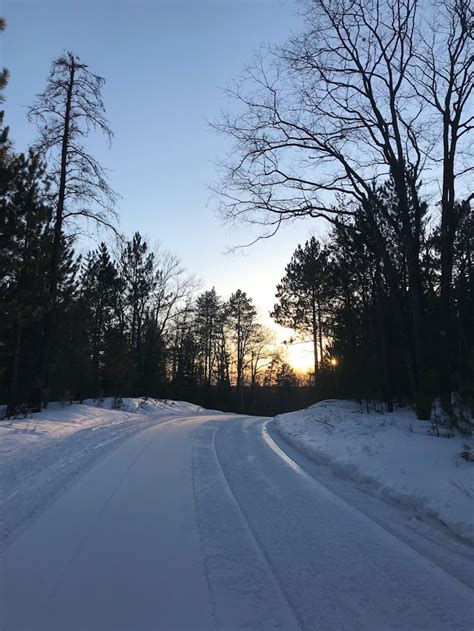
(203,523)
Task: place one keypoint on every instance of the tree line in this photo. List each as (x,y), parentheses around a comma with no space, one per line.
(364,119)
(335,294)
(123,319)
(128,322)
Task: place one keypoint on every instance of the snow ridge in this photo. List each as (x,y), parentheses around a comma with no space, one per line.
(394,455)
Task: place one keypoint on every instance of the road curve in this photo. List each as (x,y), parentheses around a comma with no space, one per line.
(204,523)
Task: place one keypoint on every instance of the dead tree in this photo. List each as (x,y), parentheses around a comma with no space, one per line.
(66,112)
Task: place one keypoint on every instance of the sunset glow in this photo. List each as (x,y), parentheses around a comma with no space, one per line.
(300,356)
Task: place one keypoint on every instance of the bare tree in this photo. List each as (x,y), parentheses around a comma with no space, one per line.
(66,112)
(262,351)
(173,291)
(442,76)
(324,122)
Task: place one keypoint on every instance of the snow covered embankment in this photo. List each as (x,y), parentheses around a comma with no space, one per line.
(107,418)
(42,454)
(395,455)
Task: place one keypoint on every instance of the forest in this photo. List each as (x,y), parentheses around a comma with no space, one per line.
(363,121)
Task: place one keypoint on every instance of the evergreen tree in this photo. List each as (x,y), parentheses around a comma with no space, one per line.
(223,352)
(241,320)
(208,309)
(98,299)
(137,270)
(4,144)
(185,349)
(303,296)
(463,311)
(286,377)
(25,239)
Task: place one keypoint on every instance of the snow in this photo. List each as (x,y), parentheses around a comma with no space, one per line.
(198,520)
(393,455)
(118,550)
(43,454)
(59,421)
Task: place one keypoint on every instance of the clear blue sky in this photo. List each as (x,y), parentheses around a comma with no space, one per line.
(165,63)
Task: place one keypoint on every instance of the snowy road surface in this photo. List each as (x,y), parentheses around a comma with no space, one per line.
(204,523)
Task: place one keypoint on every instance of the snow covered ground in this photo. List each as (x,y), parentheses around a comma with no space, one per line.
(43,454)
(393,455)
(200,521)
(59,421)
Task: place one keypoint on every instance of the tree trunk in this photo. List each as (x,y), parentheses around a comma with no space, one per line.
(13,395)
(445,325)
(320,330)
(51,314)
(314,327)
(380,310)
(447,236)
(409,211)
(424,397)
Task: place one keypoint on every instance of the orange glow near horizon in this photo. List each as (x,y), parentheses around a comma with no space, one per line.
(300,357)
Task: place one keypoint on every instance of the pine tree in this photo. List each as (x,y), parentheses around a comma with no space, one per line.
(303,296)
(4,144)
(25,238)
(463,311)
(137,270)
(208,309)
(286,377)
(241,320)
(99,287)
(185,349)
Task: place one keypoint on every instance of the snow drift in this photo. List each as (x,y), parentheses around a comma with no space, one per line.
(394,455)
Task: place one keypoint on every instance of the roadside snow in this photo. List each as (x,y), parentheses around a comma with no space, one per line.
(60,421)
(42,454)
(395,455)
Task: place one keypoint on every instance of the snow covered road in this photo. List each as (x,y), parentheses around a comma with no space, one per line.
(204,523)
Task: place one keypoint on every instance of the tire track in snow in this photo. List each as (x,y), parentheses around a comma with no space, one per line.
(252,532)
(54,468)
(243,589)
(93,519)
(201,542)
(411,539)
(340,569)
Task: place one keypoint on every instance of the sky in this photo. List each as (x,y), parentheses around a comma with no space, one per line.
(166,64)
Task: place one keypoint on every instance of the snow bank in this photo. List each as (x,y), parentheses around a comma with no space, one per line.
(43,454)
(57,422)
(395,455)
(145,404)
